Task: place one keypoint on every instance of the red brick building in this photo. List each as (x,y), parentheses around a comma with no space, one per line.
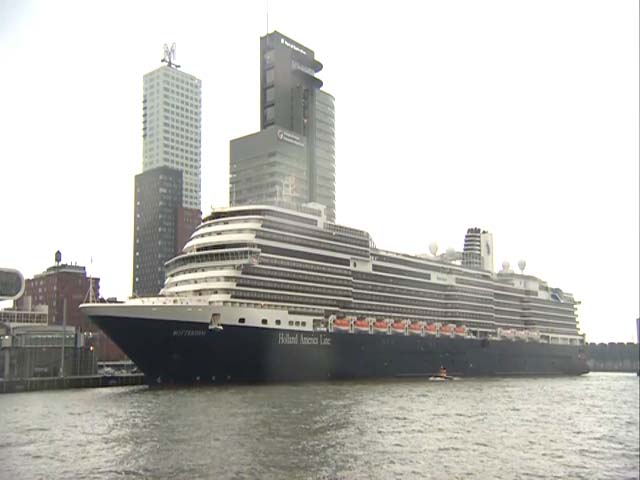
(55,285)
(68,281)
(188,220)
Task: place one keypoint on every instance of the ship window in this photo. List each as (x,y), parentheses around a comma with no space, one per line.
(304,324)
(241,320)
(264,321)
(297,323)
(277,322)
(291,323)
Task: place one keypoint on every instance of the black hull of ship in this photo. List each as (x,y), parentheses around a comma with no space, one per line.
(181,352)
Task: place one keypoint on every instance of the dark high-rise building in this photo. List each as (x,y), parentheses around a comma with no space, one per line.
(158,206)
(292,159)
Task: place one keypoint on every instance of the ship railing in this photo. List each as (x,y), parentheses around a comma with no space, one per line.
(168,301)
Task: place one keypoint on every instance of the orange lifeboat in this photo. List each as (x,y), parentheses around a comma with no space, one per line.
(361,325)
(509,334)
(534,335)
(415,328)
(431,329)
(446,330)
(397,327)
(521,335)
(460,331)
(341,325)
(380,326)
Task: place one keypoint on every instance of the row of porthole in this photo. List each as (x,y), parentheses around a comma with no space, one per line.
(264,321)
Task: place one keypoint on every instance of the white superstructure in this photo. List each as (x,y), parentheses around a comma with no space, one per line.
(274,258)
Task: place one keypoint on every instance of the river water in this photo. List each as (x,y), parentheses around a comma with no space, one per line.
(508,428)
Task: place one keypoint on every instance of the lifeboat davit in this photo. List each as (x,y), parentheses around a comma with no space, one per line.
(380,326)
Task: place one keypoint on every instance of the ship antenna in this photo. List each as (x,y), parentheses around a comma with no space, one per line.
(267,17)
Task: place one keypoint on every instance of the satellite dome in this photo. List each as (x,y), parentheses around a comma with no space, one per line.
(521,265)
(433,248)
(505,266)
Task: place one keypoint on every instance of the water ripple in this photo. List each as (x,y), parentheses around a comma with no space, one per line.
(584,427)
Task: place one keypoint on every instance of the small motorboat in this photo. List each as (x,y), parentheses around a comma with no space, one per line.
(442,376)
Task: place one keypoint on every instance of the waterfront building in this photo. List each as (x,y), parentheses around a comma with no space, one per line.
(291,160)
(59,284)
(38,316)
(42,305)
(168,191)
(30,347)
(31,350)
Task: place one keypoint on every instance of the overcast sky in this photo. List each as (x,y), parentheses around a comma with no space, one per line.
(517,117)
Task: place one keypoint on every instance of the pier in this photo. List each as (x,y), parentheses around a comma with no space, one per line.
(613,357)
(58,383)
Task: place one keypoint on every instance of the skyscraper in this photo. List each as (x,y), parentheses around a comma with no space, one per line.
(171,127)
(167,192)
(292,158)
(158,197)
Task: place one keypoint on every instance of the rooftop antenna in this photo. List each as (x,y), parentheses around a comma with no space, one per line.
(170,55)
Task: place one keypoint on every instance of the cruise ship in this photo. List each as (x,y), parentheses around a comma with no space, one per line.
(267,293)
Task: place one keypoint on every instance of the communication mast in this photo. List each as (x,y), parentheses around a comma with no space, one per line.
(170,55)
(90,297)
